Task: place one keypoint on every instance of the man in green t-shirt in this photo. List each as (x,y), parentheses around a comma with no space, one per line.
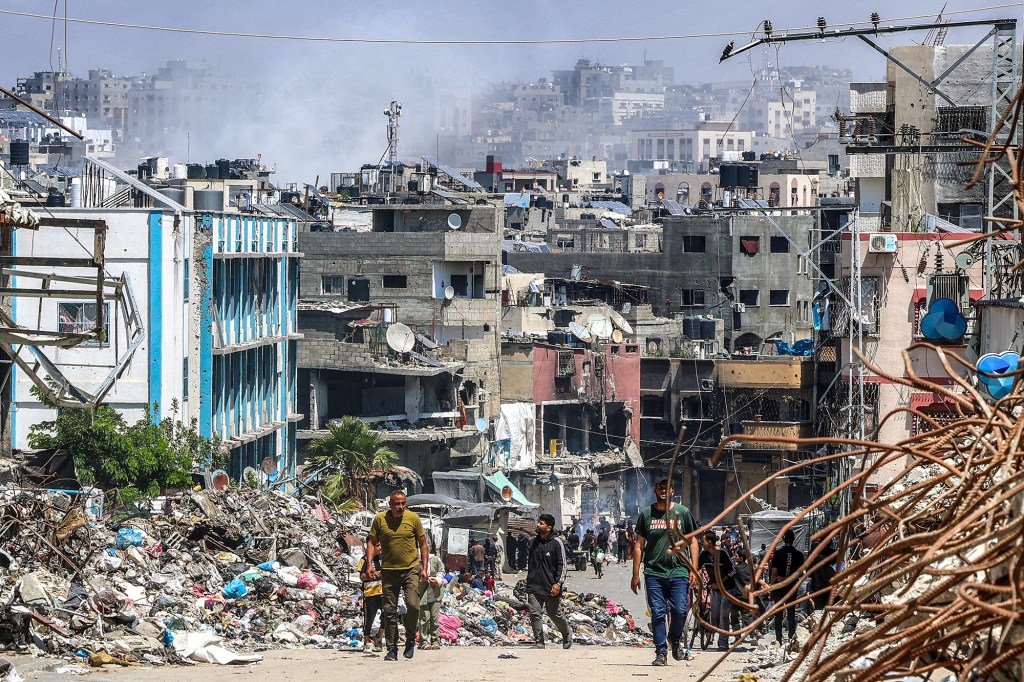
(403,558)
(666,576)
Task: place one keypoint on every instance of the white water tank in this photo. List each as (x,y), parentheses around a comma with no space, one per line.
(76,192)
(179,171)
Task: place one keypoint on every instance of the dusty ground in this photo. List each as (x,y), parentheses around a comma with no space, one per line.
(597,664)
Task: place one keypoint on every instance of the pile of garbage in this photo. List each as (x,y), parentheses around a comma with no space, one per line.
(219,576)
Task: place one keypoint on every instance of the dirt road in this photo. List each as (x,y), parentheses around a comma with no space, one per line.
(593,664)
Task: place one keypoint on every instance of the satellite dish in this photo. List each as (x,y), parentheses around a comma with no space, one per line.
(449,293)
(506,493)
(599,326)
(454,221)
(481,424)
(400,338)
(620,322)
(580,332)
(652,347)
(617,335)
(269,466)
(220,479)
(250,474)
(964,260)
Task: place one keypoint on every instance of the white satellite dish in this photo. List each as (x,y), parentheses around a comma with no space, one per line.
(449,293)
(620,322)
(964,260)
(617,335)
(400,338)
(249,474)
(599,326)
(580,332)
(454,221)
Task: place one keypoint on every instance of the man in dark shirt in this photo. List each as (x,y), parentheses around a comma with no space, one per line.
(621,540)
(574,540)
(721,607)
(787,562)
(602,541)
(523,551)
(545,575)
(588,540)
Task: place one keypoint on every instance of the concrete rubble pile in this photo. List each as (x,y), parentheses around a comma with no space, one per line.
(219,577)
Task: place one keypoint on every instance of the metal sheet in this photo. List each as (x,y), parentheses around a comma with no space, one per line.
(672,206)
(453,174)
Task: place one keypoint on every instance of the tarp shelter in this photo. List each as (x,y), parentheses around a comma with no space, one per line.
(764,526)
(464,484)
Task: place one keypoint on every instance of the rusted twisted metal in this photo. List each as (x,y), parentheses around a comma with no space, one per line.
(934,557)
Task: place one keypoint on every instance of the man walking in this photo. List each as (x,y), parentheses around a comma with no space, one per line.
(431,592)
(477,557)
(666,576)
(403,558)
(621,540)
(715,561)
(786,562)
(523,552)
(544,578)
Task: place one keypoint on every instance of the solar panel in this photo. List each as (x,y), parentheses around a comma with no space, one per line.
(453,174)
(445,194)
(672,207)
(616,206)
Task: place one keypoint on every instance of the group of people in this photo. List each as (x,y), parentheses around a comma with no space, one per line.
(398,562)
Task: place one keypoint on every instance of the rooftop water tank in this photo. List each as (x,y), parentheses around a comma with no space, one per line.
(208,200)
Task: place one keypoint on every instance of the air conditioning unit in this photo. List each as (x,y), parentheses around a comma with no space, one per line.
(707,385)
(882,243)
(739,307)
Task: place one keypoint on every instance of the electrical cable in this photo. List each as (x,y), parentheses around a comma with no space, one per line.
(488,42)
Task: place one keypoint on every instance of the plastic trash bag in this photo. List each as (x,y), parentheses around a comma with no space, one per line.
(129,537)
(235,589)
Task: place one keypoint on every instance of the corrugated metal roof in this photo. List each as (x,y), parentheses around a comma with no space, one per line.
(453,174)
(450,196)
(616,206)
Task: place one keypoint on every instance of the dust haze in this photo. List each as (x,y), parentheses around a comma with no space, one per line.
(316,107)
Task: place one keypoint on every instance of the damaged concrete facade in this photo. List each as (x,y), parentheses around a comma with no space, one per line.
(214,297)
(439,281)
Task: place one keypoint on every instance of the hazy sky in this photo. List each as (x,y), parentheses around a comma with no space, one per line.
(322,84)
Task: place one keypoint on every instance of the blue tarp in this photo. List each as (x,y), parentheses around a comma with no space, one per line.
(803,347)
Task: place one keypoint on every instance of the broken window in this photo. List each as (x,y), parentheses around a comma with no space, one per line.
(80,318)
(395,282)
(693,244)
(692,297)
(750,297)
(779,245)
(778,297)
(566,364)
(749,245)
(332,284)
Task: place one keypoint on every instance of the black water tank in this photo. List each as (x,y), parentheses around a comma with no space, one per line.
(19,153)
(691,327)
(742,175)
(707,329)
(143,171)
(196,171)
(55,198)
(212,171)
(224,166)
(753,177)
(727,175)
(749,156)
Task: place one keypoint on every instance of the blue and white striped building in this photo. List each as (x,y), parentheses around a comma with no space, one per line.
(215,295)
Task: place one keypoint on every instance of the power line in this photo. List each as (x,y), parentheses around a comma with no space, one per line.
(451,41)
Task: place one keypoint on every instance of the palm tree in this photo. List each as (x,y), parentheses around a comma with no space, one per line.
(348,457)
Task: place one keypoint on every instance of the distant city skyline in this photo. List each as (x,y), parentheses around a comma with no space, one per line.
(328,97)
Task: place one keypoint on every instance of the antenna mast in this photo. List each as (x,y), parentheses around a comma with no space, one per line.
(393,113)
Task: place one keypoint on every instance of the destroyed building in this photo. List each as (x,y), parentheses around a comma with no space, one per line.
(198,314)
(400,328)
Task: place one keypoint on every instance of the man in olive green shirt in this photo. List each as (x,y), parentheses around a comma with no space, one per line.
(666,576)
(403,550)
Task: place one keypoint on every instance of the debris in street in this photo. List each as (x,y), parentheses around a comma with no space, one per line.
(217,578)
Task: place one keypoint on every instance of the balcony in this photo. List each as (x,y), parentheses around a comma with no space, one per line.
(791,430)
(775,372)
